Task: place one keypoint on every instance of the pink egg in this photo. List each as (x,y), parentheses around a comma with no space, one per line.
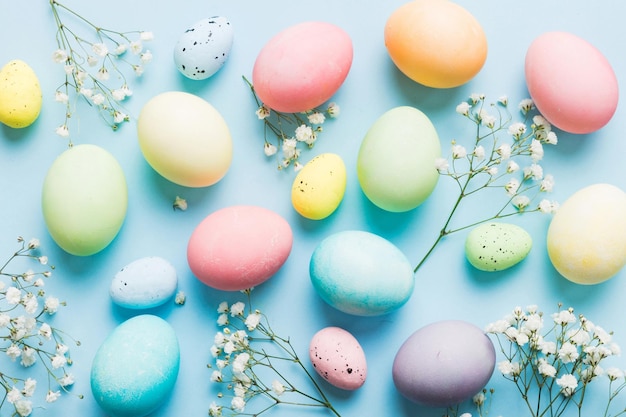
(302,67)
(239,247)
(338,357)
(444,363)
(572,84)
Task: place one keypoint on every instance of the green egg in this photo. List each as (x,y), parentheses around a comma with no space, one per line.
(84,199)
(396,160)
(497,246)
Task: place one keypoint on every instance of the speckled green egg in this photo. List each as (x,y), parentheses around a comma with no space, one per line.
(497,246)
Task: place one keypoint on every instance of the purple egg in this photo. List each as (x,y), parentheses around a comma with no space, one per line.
(444,363)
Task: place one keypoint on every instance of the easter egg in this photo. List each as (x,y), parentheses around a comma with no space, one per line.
(203,48)
(338,357)
(571,83)
(361,273)
(444,363)
(497,246)
(135,369)
(586,239)
(290,79)
(185,139)
(84,199)
(396,160)
(436,43)
(20,95)
(239,247)
(319,187)
(144,283)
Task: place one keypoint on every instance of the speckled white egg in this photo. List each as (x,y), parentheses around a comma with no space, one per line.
(203,49)
(144,283)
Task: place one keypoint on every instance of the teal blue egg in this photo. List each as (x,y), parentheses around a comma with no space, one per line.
(497,246)
(135,369)
(396,160)
(361,273)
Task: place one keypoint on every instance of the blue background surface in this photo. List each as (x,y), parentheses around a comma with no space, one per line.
(447,287)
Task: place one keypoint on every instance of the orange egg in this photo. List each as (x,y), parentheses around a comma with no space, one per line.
(436,43)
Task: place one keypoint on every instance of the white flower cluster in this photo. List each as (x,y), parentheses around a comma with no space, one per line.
(89,64)
(492,159)
(25,336)
(558,358)
(237,358)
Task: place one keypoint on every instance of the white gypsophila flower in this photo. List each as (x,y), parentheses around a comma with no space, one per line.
(479,399)
(504,151)
(520,202)
(28,357)
(333,110)
(303,133)
(463,108)
(512,186)
(86,92)
(536,150)
(263,112)
(62,131)
(517,129)
(215,410)
(120,49)
(534,322)
(51,305)
(217,376)
(465,415)
(546,369)
(29,387)
(493,171)
(136,47)
(215,351)
(547,184)
(30,303)
(45,331)
(237,309)
(221,364)
(98,99)
(508,368)
(278,388)
(220,339)
(476,97)
(547,206)
(252,321)
(534,171)
(145,57)
(92,61)
(578,337)
(222,307)
(52,396)
(180,297)
(28,275)
(441,164)
(270,149)
(289,148)
(238,404)
(548,348)
(62,349)
(488,120)
(59,56)
(138,70)
(568,353)
(100,49)
(23,407)
(297,166)
(240,389)
(240,364)
(497,327)
(66,380)
(316,118)
(512,167)
(5,319)
(458,151)
(146,36)
(568,384)
(551,138)
(58,361)
(504,100)
(614,373)
(13,295)
(229,347)
(564,317)
(14,395)
(526,105)
(603,336)
(222,319)
(61,97)
(119,117)
(118,94)
(479,152)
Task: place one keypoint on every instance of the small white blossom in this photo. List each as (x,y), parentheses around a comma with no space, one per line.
(13,352)
(564,317)
(536,150)
(45,331)
(217,376)
(278,388)
(512,186)
(547,184)
(51,305)
(441,164)
(120,49)
(222,319)
(223,307)
(238,404)
(237,309)
(61,97)
(289,148)
(504,151)
(547,206)
(546,369)
(463,108)
(52,396)
(215,410)
(28,357)
(92,61)
(119,117)
(504,100)
(333,110)
(145,57)
(551,138)
(526,105)
(534,171)
(270,149)
(520,201)
(13,295)
(100,49)
(136,47)
(316,118)
(29,387)
(614,373)
(146,36)
(66,380)
(512,167)
(138,69)
(517,129)
(509,368)
(253,320)
(58,361)
(568,353)
(476,97)
(568,384)
(263,112)
(118,94)
(59,56)
(304,133)
(479,152)
(458,151)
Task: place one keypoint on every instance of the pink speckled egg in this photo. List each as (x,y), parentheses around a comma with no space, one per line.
(239,247)
(302,67)
(572,84)
(338,357)
(444,363)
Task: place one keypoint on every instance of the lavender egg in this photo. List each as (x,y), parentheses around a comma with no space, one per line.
(444,363)
(202,50)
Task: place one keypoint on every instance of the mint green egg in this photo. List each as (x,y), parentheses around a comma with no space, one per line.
(396,160)
(84,199)
(135,369)
(497,246)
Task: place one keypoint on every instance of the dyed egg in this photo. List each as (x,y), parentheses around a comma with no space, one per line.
(144,283)
(20,95)
(239,247)
(497,246)
(436,43)
(290,79)
(571,83)
(444,363)
(135,369)
(361,273)
(587,236)
(203,49)
(185,139)
(338,357)
(396,160)
(84,199)
(319,187)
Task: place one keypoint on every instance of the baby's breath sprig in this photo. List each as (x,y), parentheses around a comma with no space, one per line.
(306,127)
(94,68)
(510,164)
(248,355)
(552,368)
(481,401)
(25,335)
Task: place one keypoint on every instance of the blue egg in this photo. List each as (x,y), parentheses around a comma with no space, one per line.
(144,283)
(135,368)
(203,49)
(361,273)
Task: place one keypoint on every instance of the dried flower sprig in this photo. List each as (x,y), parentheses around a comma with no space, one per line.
(247,355)
(24,333)
(553,367)
(494,162)
(94,68)
(304,129)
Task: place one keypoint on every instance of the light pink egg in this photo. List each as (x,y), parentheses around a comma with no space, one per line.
(302,67)
(571,82)
(239,247)
(338,357)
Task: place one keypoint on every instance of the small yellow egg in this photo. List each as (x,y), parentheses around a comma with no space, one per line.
(319,187)
(20,95)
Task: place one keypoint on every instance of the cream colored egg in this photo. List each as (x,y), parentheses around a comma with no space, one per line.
(587,236)
(319,187)
(185,139)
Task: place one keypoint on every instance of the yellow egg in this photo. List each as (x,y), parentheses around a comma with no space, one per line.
(20,95)
(319,187)
(185,139)
(587,236)
(436,43)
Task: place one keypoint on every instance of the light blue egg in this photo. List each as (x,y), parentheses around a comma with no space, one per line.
(361,273)
(203,49)
(135,369)
(144,283)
